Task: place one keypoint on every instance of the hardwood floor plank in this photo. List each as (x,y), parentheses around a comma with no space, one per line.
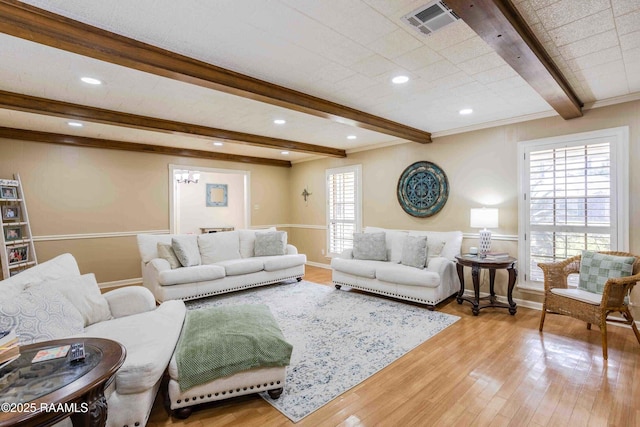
(492,369)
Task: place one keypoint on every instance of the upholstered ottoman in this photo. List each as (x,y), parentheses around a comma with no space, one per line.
(225,352)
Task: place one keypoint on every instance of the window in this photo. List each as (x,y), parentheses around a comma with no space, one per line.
(573,196)
(344,203)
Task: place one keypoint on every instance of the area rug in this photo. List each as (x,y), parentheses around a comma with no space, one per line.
(339,338)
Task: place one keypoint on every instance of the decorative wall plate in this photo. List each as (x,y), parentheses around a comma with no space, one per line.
(423,189)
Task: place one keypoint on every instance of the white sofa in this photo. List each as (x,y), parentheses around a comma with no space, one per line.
(429,285)
(148,333)
(228,263)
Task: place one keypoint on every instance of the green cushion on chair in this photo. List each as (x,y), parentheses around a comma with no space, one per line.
(597,268)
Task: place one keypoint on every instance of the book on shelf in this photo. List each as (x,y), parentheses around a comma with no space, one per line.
(9,352)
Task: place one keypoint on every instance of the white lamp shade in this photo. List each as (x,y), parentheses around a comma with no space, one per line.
(484,218)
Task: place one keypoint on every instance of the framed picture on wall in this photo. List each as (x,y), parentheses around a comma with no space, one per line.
(12,233)
(11,212)
(18,254)
(217,195)
(7,192)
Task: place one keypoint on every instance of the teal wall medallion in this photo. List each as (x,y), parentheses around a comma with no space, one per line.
(423,189)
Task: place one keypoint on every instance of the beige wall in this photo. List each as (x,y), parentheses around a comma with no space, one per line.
(80,191)
(74,191)
(481,167)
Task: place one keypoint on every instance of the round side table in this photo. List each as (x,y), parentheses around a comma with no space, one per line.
(492,264)
(43,393)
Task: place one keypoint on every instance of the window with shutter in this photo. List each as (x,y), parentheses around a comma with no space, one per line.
(343,207)
(574,197)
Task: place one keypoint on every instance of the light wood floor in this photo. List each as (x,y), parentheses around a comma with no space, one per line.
(494,369)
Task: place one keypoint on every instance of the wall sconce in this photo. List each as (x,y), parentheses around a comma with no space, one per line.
(484,218)
(187,177)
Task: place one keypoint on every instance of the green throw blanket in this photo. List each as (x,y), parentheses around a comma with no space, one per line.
(221,341)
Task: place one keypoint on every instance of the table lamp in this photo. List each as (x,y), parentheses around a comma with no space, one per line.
(484,218)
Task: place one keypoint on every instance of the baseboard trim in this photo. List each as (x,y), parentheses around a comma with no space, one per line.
(319,265)
(120,283)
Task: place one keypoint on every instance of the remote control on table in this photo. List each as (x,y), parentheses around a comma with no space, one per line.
(77,352)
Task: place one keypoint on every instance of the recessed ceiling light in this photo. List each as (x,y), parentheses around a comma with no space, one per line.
(466,111)
(91,81)
(284,153)
(218,144)
(279,121)
(352,137)
(75,124)
(400,79)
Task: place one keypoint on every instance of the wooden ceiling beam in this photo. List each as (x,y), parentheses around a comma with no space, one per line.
(32,104)
(502,27)
(83,141)
(30,23)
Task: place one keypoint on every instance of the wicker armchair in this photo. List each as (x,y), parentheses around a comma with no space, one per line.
(587,306)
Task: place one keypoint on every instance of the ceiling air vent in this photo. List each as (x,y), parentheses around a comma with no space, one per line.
(431,17)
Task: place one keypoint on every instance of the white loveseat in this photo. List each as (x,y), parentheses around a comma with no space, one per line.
(228,262)
(430,285)
(148,333)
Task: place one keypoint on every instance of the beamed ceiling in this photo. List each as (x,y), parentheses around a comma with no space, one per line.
(179,76)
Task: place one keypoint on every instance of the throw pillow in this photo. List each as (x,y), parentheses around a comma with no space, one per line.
(371,246)
(248,241)
(434,248)
(165,251)
(83,292)
(216,247)
(40,313)
(414,251)
(271,243)
(186,249)
(596,269)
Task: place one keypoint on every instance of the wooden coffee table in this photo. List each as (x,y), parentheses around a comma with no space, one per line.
(43,393)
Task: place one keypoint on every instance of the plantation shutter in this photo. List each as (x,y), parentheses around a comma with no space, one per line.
(571,202)
(342,209)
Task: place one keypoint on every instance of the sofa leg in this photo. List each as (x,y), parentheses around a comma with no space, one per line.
(431,307)
(299,279)
(338,286)
(183,413)
(275,393)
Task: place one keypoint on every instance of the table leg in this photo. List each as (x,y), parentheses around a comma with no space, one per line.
(475,274)
(459,269)
(96,416)
(513,274)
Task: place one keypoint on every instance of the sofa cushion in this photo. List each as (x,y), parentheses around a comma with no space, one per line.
(370,246)
(404,275)
(61,266)
(236,267)
(39,313)
(356,267)
(149,338)
(165,251)
(216,247)
(280,262)
(197,273)
(270,243)
(597,268)
(394,240)
(186,249)
(414,251)
(83,292)
(579,294)
(247,241)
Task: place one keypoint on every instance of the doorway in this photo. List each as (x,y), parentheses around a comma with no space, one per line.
(201,197)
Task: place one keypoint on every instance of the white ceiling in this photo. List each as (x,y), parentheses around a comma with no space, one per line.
(345,51)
